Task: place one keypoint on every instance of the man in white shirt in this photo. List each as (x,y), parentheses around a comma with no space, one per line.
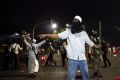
(33,64)
(14,49)
(76,39)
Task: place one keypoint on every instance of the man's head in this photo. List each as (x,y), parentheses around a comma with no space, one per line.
(77,25)
(94,33)
(78,18)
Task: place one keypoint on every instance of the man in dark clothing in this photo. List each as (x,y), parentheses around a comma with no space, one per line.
(50,56)
(105,53)
(63,54)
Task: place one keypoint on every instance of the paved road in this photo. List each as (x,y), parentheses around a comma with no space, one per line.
(60,73)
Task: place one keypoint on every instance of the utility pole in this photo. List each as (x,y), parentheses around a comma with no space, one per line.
(100,35)
(33,32)
(100,41)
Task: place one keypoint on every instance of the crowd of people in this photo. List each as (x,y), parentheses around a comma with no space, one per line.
(72,49)
(31,52)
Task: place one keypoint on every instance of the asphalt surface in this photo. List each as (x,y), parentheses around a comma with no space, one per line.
(58,72)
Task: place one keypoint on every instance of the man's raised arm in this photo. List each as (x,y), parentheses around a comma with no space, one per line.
(52,36)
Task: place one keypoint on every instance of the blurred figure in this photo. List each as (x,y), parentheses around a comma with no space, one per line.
(63,54)
(33,47)
(14,51)
(50,58)
(96,54)
(105,54)
(25,48)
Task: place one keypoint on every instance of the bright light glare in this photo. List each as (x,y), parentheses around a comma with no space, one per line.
(67,25)
(54,26)
(16,34)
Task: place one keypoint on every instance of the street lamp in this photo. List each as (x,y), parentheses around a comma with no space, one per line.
(36,26)
(54,26)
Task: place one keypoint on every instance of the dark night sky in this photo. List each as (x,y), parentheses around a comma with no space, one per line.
(17,15)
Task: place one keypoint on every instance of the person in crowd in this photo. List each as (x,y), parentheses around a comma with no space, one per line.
(25,48)
(105,54)
(33,47)
(96,54)
(63,54)
(76,39)
(50,58)
(14,51)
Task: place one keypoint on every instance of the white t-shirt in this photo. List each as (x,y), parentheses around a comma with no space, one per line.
(76,44)
(16,48)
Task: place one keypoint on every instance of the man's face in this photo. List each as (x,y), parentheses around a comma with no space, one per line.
(75,20)
(76,23)
(76,26)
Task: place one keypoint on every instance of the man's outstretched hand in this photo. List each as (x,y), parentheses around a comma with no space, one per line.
(41,36)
